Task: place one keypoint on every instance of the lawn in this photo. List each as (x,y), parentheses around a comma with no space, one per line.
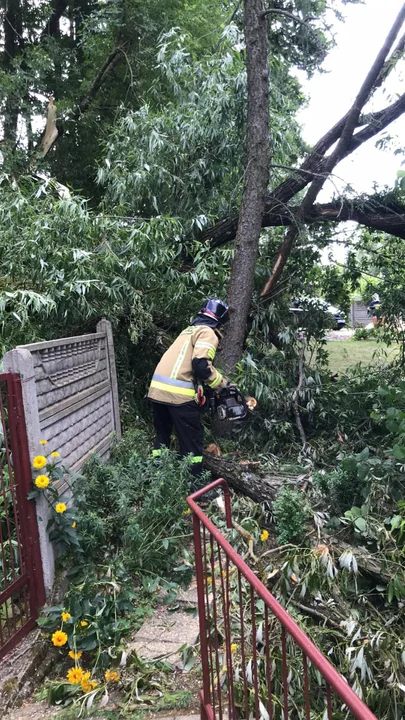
(344,353)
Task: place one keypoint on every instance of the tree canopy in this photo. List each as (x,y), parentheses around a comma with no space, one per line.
(147,130)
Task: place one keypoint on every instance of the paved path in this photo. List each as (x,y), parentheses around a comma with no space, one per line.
(42,711)
(165,632)
(160,636)
(343,334)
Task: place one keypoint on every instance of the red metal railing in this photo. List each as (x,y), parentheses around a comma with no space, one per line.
(256,661)
(21,580)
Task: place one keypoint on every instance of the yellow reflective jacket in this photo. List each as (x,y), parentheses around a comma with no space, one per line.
(173,380)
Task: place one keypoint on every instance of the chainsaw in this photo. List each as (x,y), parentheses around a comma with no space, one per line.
(228,404)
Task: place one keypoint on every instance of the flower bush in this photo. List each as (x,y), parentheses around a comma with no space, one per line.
(61,526)
(132,527)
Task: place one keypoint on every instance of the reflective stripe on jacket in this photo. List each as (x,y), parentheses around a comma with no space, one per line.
(173,380)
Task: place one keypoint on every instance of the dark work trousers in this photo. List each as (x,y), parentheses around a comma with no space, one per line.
(186,421)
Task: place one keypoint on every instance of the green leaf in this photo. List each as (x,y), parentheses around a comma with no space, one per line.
(398,452)
(87,643)
(360,524)
(363,455)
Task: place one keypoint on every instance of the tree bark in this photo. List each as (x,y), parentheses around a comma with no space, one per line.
(278,213)
(256,179)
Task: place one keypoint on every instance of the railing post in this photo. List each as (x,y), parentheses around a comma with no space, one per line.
(29,521)
(199,572)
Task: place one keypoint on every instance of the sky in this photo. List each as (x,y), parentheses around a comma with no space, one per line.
(358,40)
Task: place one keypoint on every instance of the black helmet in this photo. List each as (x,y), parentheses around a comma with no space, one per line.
(216,309)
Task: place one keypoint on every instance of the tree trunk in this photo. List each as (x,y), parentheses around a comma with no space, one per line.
(52,27)
(13,44)
(259,487)
(256,179)
(367,563)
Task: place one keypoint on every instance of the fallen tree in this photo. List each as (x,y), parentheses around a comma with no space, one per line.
(245,477)
(389,218)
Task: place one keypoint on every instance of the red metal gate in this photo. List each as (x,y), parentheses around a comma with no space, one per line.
(256,661)
(21,581)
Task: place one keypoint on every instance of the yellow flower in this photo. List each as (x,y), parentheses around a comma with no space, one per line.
(264,536)
(59,638)
(65,616)
(60,508)
(187,512)
(55,454)
(111,676)
(43,442)
(39,462)
(75,675)
(75,655)
(209,580)
(87,684)
(234,647)
(42,481)
(84,623)
(74,524)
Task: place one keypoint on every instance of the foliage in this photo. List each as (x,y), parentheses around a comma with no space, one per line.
(374,333)
(347,484)
(166,134)
(51,475)
(196,141)
(132,530)
(134,506)
(346,610)
(364,333)
(61,51)
(291,514)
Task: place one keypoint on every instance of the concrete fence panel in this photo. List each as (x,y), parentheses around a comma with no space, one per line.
(70,399)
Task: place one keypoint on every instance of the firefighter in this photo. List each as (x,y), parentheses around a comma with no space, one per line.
(373,308)
(176,386)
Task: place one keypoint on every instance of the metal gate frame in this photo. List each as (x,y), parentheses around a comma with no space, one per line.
(25,594)
(214,609)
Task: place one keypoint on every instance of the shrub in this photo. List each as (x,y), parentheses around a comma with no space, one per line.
(134,506)
(362,333)
(291,514)
(347,484)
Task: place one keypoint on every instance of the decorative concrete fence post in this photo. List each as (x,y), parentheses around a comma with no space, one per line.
(21,361)
(70,396)
(104,326)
